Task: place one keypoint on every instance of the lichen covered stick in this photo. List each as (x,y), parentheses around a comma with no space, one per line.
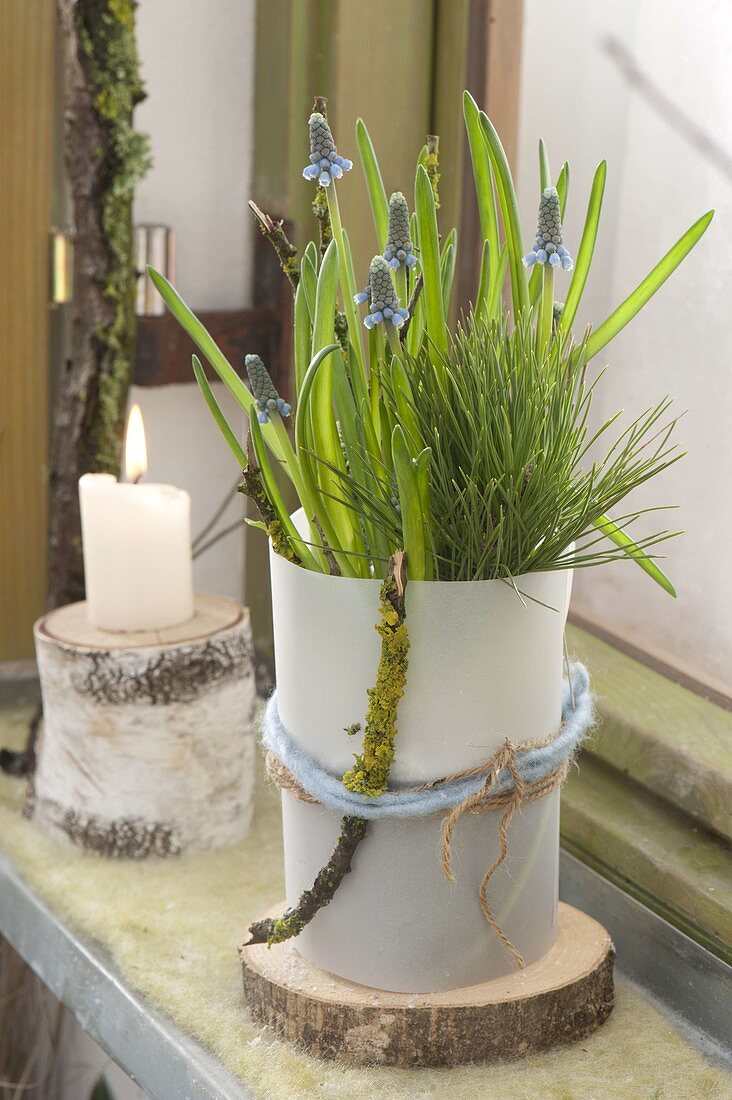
(370,773)
(273,930)
(384,696)
(283,246)
(253,487)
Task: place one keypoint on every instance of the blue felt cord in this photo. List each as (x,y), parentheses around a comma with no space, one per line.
(578,717)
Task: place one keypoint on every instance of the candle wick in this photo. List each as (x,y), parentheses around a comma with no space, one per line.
(135,480)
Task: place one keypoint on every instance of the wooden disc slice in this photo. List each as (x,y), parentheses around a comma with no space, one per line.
(70,626)
(564,996)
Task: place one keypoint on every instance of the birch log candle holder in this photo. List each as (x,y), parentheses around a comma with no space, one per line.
(147,743)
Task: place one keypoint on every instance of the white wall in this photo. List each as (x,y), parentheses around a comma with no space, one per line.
(658,184)
(198,66)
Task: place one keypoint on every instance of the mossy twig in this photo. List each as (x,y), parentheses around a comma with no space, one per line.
(253,487)
(291,923)
(432,165)
(283,246)
(383,697)
(370,773)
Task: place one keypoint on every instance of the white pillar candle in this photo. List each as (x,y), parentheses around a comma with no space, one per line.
(137,550)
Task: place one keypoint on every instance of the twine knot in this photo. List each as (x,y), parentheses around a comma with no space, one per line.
(515,776)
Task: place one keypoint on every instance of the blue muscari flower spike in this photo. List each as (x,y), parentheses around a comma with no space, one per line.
(263,390)
(325,164)
(548,247)
(380,292)
(399,246)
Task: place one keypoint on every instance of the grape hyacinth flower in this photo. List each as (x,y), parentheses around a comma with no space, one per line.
(382,296)
(548,247)
(399,246)
(325,164)
(263,390)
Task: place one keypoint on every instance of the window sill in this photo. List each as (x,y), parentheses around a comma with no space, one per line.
(649,807)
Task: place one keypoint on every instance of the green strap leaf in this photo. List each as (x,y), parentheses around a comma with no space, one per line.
(429,243)
(404,401)
(563,188)
(374,184)
(209,349)
(317,505)
(482,174)
(509,213)
(633,551)
(410,506)
(586,249)
(498,276)
(309,281)
(302,334)
(545,174)
(484,282)
(627,310)
(447,267)
(272,489)
(215,409)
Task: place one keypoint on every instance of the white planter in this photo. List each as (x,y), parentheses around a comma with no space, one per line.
(484,665)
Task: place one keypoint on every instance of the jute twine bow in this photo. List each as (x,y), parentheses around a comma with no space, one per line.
(521,794)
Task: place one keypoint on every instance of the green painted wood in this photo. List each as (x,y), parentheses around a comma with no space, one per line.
(662,735)
(652,850)
(450,80)
(383,72)
(271,159)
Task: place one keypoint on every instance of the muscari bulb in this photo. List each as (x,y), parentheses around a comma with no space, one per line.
(548,246)
(325,164)
(382,298)
(263,390)
(398,252)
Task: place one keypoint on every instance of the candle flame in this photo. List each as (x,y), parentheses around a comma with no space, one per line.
(135,448)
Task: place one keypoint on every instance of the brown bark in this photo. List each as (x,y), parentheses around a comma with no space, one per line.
(102,312)
(272,930)
(563,997)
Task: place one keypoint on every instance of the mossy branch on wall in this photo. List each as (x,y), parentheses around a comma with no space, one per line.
(106,30)
(104,158)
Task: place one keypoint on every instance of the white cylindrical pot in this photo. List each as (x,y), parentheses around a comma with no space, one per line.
(485,664)
(147,740)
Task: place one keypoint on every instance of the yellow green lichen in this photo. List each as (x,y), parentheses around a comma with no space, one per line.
(370,773)
(432,166)
(280,541)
